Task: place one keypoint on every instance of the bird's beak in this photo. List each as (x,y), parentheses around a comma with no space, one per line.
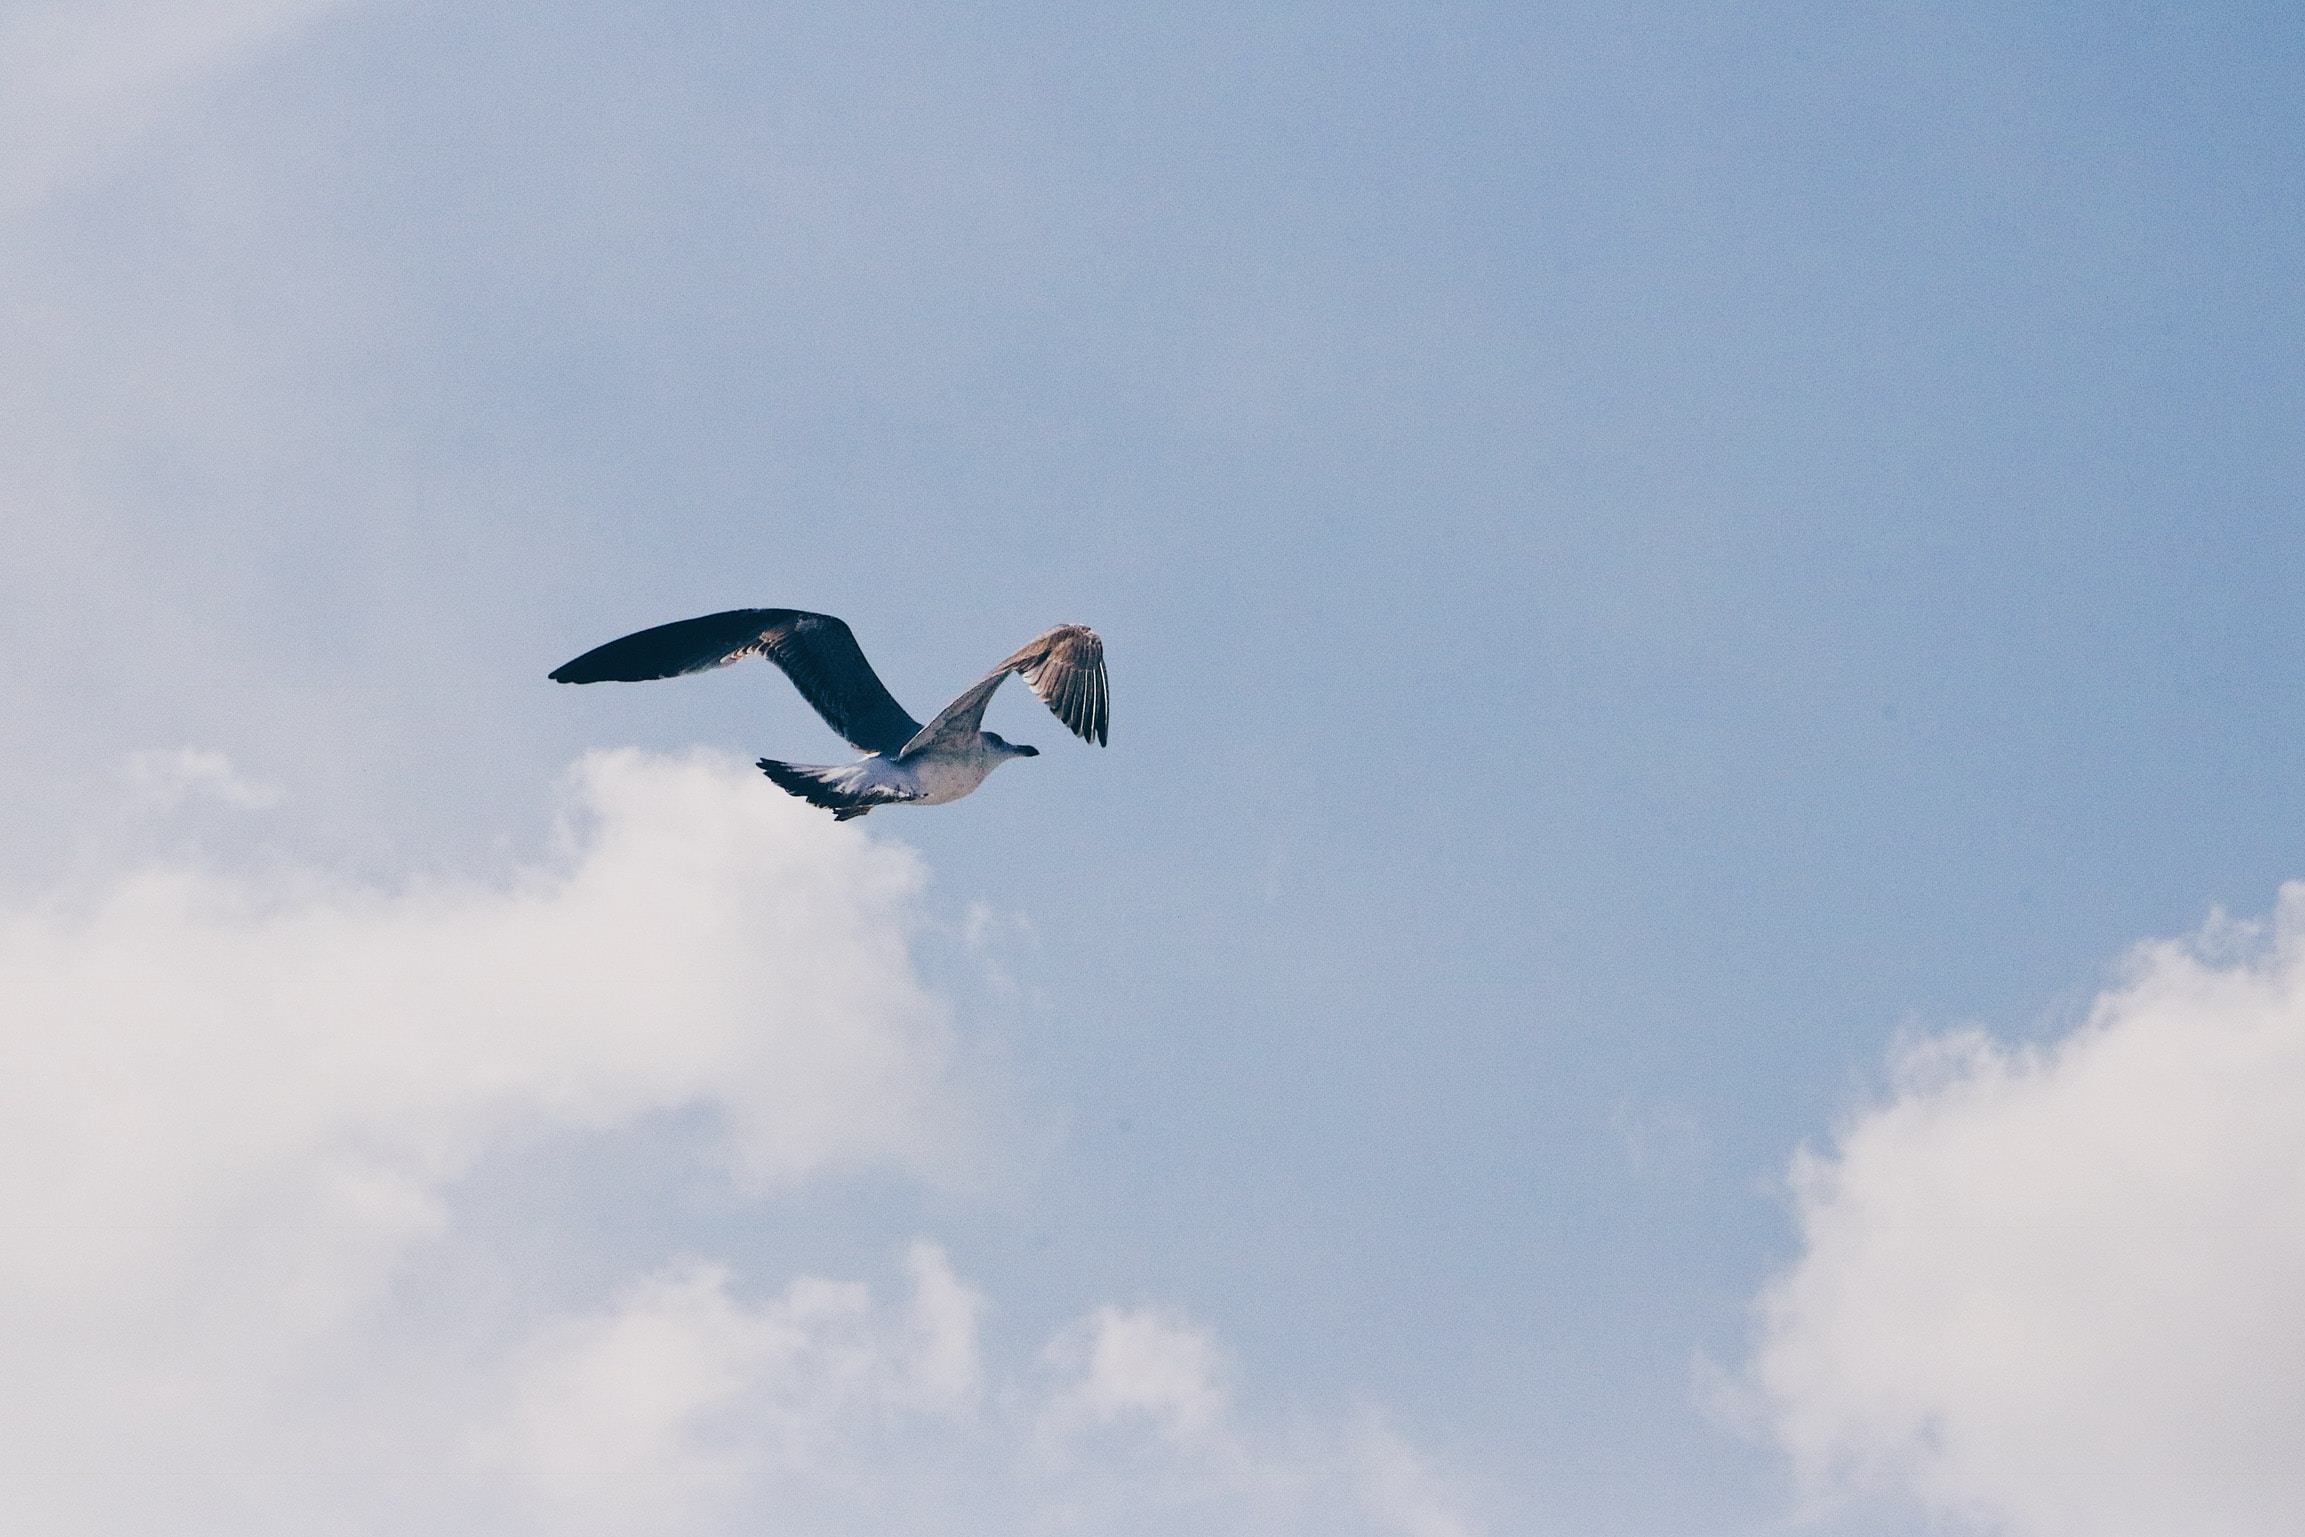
(1027,752)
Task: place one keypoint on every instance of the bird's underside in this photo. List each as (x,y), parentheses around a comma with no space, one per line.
(905,761)
(842,790)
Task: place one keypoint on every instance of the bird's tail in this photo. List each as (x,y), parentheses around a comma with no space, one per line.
(842,789)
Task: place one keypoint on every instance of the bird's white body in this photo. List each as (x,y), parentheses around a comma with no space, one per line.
(930,778)
(947,774)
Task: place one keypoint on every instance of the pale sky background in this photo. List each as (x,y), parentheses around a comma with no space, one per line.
(1681,932)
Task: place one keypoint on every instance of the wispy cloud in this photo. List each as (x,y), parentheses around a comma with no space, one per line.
(2055,1290)
(160,780)
(81,80)
(1142,1365)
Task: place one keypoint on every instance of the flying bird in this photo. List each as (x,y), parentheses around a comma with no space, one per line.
(906,763)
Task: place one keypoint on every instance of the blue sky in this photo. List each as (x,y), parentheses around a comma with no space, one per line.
(1649,555)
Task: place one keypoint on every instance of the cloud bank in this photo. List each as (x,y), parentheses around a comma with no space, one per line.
(247,1285)
(2059,1290)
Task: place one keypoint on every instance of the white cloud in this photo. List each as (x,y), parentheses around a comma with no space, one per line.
(682,1386)
(233,1110)
(681,1374)
(1147,1390)
(248,1284)
(683,1407)
(1400,1487)
(1141,1363)
(164,779)
(2058,1290)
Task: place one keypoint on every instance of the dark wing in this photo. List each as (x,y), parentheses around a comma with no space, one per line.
(816,651)
(1065,666)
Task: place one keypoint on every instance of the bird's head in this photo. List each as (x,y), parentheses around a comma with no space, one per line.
(1009,749)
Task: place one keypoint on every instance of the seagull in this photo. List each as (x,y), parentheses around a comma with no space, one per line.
(906,763)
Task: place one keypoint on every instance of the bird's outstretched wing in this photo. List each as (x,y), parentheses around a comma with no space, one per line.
(1064,666)
(816,651)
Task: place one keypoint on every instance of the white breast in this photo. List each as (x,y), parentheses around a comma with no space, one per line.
(944,777)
